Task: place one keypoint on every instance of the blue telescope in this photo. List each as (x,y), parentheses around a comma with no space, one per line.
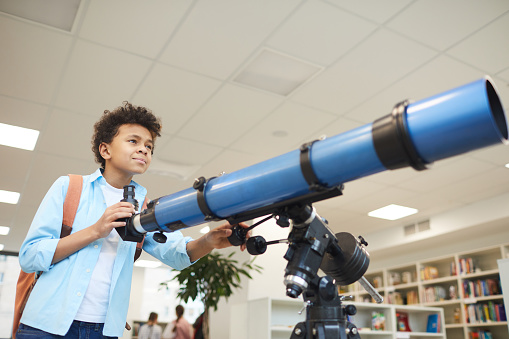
(413,134)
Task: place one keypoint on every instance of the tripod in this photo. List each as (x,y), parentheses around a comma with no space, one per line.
(326,317)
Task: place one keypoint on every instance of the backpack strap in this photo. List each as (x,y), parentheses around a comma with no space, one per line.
(71,203)
(140,244)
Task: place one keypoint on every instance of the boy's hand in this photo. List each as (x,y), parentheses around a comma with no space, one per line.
(110,218)
(218,237)
(215,239)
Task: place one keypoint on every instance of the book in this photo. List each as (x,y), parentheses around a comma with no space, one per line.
(378,321)
(402,319)
(433,325)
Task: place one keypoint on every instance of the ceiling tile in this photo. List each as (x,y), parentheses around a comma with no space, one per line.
(378,11)
(282,130)
(142,28)
(46,169)
(440,176)
(362,73)
(99,78)
(441,24)
(497,155)
(187,152)
(13,178)
(23,113)
(440,74)
(484,49)
(174,95)
(31,59)
(229,161)
(72,143)
(216,45)
(229,115)
(320,33)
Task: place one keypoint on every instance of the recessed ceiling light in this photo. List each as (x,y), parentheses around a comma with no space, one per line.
(147,263)
(277,73)
(19,137)
(4,230)
(205,230)
(9,197)
(507,165)
(392,212)
(2,247)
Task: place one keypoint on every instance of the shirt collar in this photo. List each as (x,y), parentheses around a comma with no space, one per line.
(98,176)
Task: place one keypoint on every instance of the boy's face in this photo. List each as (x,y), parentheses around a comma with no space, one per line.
(130,151)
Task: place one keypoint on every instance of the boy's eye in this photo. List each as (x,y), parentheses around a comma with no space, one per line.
(149,147)
(133,141)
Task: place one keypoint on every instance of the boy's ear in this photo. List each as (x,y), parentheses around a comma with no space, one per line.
(104,150)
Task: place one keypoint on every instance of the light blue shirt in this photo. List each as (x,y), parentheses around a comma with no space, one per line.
(57,295)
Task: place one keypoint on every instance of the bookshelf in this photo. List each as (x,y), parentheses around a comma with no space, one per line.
(465,285)
(269,318)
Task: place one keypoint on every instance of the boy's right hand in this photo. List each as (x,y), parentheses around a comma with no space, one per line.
(109,219)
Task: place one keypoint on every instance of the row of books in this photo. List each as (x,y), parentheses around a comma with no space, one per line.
(481,288)
(397,298)
(481,335)
(485,312)
(434,294)
(429,272)
(466,265)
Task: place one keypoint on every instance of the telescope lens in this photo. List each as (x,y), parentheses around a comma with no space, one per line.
(496,109)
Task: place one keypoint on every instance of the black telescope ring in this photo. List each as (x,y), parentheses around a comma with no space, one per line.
(199,186)
(307,169)
(392,141)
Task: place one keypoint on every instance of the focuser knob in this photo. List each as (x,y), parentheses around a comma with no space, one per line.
(238,236)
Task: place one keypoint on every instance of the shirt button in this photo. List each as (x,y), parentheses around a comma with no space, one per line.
(78,294)
(96,246)
(88,270)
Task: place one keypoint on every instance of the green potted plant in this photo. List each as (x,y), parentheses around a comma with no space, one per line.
(214,276)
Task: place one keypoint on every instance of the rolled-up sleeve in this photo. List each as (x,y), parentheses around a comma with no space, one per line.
(173,252)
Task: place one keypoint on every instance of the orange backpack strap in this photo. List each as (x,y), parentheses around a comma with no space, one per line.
(26,281)
(71,203)
(140,244)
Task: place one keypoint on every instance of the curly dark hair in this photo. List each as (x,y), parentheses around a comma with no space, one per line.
(107,127)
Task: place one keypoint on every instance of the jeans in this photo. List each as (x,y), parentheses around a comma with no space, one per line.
(78,330)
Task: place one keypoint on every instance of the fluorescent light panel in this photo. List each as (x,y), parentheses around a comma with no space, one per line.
(4,230)
(19,137)
(392,212)
(2,246)
(9,197)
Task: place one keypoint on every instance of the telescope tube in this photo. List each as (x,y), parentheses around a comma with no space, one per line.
(414,134)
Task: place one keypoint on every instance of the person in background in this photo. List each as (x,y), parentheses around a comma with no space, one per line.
(150,330)
(198,327)
(179,328)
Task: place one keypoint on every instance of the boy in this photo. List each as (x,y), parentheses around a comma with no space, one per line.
(87,275)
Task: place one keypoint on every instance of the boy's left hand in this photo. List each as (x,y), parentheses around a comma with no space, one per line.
(218,237)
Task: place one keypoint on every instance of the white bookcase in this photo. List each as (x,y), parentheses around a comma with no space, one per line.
(445,282)
(275,319)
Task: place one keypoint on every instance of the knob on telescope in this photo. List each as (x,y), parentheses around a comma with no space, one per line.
(238,236)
